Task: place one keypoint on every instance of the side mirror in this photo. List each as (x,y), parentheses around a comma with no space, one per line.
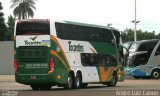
(139,53)
(124,52)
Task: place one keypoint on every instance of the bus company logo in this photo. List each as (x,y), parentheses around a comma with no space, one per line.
(33,42)
(34,38)
(78,47)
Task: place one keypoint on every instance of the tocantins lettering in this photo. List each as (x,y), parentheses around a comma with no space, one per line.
(32,43)
(78,47)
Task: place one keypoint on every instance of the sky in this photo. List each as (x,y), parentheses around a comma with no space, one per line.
(119,13)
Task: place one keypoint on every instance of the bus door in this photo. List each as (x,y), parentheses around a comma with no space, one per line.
(135,61)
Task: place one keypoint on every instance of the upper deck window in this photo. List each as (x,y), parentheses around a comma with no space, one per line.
(83,33)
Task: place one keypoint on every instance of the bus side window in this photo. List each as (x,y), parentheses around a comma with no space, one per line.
(90,59)
(85,59)
(158,51)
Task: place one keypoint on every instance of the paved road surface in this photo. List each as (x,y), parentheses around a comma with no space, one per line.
(129,87)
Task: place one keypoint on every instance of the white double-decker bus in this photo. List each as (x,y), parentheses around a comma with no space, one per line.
(65,54)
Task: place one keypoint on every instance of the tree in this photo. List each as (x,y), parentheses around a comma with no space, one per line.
(128,35)
(10,28)
(2,24)
(158,36)
(23,9)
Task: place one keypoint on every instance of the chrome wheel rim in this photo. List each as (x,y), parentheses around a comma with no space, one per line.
(70,82)
(77,82)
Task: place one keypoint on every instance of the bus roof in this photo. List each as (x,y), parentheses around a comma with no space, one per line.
(149,40)
(91,25)
(71,22)
(27,20)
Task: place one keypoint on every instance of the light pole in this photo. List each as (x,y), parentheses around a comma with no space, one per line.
(135,29)
(135,23)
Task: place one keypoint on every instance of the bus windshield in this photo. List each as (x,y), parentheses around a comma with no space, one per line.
(133,47)
(33,28)
(127,44)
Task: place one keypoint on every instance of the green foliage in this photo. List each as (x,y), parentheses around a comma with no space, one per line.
(158,36)
(23,9)
(10,28)
(128,35)
(2,24)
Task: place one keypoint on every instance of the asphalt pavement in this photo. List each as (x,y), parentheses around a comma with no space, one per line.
(130,87)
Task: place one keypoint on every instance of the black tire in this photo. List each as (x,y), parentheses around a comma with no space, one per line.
(84,85)
(78,81)
(35,87)
(155,74)
(45,87)
(70,82)
(136,77)
(113,81)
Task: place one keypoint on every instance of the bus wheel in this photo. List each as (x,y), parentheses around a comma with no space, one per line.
(70,82)
(84,85)
(45,87)
(113,81)
(155,74)
(35,87)
(78,80)
(136,77)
